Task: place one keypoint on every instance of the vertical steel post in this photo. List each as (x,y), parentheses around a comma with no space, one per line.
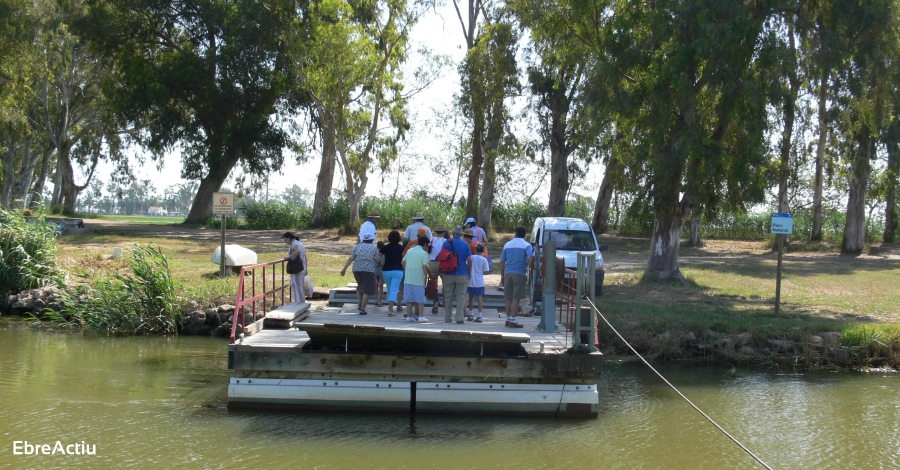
(222,252)
(780,238)
(585,328)
(548,304)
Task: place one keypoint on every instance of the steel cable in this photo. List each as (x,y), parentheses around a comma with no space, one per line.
(720,428)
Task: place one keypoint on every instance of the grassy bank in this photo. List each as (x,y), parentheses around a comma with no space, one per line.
(189,261)
(835,310)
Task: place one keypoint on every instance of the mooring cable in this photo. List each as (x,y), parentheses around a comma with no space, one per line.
(720,428)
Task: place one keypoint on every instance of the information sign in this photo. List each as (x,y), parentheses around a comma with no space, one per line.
(223,203)
(782,223)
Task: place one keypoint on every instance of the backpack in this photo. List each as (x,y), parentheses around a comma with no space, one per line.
(448,259)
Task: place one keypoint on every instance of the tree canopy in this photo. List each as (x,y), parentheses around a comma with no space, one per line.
(213,79)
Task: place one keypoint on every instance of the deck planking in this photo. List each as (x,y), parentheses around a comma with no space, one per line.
(493,323)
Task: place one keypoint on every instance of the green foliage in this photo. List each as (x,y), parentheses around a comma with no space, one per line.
(27,251)
(275,215)
(143,301)
(215,222)
(877,340)
(204,76)
(756,226)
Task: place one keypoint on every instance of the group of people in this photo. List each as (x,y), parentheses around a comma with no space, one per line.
(407,263)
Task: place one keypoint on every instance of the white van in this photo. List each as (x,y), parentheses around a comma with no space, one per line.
(571,236)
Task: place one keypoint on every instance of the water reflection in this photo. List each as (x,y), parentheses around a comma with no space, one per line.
(161,402)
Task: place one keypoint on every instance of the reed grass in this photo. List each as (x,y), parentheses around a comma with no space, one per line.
(141,301)
(28,252)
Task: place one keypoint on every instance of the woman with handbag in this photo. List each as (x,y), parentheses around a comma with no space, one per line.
(296,265)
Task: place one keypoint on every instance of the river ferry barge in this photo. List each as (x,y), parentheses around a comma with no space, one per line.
(332,358)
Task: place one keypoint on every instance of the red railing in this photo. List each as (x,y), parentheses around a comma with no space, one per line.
(273,281)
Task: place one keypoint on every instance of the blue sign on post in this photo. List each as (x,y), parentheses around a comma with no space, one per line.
(782,223)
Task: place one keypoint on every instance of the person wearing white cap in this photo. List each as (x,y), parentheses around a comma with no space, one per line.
(368,227)
(412,231)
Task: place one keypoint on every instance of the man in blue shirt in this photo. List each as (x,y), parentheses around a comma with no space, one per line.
(455,282)
(515,261)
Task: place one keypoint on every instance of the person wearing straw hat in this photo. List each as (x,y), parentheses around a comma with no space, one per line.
(411,232)
(368,227)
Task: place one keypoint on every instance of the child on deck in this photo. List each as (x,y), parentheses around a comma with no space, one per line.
(476,282)
(415,266)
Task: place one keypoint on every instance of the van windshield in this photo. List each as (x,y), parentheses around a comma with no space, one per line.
(572,240)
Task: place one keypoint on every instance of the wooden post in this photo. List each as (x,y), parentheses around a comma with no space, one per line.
(780,240)
(222,252)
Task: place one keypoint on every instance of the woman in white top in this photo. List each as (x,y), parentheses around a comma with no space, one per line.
(297,249)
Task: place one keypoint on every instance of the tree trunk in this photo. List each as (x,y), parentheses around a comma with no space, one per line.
(9,167)
(56,197)
(211,183)
(855,227)
(559,157)
(475,170)
(487,191)
(69,190)
(890,209)
(695,227)
(37,193)
(816,233)
(353,198)
(26,175)
(788,135)
(663,261)
(326,175)
(559,181)
(604,197)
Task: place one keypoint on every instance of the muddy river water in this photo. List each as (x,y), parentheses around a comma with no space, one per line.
(160,402)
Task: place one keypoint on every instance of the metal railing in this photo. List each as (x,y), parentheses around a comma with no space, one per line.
(274,285)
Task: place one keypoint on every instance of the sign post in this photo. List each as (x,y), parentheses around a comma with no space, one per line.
(223,206)
(782,224)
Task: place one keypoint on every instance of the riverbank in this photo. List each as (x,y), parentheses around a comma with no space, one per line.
(837,311)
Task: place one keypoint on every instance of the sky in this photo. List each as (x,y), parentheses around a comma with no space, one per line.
(438,30)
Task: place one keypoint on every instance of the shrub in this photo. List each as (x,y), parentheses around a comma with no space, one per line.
(275,215)
(27,252)
(214,222)
(143,301)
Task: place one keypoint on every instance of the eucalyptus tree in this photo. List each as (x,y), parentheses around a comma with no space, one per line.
(213,79)
(556,78)
(823,49)
(891,138)
(19,64)
(688,98)
(869,30)
(488,76)
(353,76)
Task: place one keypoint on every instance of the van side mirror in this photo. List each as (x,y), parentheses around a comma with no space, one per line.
(604,247)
